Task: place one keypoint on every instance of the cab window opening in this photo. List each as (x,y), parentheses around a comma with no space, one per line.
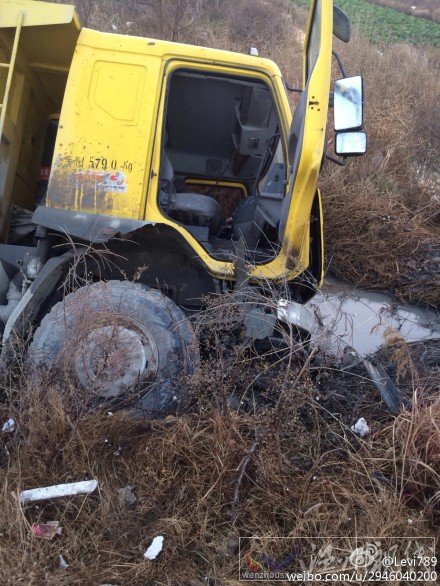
(223,130)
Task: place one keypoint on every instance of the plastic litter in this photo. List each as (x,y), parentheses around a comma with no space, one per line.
(62,564)
(155,548)
(46,530)
(9,426)
(360,427)
(127,495)
(57,491)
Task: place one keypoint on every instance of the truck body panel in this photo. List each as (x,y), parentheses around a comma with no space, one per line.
(109,145)
(38,79)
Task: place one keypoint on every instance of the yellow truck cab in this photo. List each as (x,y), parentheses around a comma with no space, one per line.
(175,158)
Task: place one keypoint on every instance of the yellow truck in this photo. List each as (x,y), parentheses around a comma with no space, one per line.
(161,163)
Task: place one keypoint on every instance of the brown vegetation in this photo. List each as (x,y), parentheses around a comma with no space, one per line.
(265,449)
(382,211)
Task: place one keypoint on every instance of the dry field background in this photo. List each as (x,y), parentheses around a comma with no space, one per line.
(424,8)
(305,473)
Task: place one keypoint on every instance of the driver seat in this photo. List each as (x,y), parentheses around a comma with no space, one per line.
(190,209)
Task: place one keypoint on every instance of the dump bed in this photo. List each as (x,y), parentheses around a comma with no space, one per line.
(37,41)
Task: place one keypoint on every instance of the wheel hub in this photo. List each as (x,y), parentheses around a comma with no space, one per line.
(113,358)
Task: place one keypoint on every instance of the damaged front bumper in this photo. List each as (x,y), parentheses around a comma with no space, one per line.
(296,314)
(301,317)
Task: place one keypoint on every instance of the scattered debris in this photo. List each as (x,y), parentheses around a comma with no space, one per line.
(361,427)
(155,548)
(297,314)
(46,530)
(388,390)
(58,490)
(232,543)
(258,324)
(9,426)
(62,564)
(127,495)
(349,358)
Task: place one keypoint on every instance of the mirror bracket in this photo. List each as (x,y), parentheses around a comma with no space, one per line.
(336,160)
(340,64)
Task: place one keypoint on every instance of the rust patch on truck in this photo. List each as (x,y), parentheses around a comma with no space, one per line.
(85,189)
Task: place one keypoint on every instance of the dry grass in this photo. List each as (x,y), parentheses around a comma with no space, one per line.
(382,211)
(304,473)
(263,448)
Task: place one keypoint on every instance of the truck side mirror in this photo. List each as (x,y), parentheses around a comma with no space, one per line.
(348,108)
(351,143)
(341,25)
(348,112)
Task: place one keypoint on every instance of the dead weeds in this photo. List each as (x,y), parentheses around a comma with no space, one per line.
(261,450)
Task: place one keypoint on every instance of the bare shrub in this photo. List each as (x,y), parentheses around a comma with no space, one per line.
(248,22)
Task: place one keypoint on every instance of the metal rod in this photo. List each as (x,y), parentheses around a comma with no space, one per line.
(10,72)
(341,65)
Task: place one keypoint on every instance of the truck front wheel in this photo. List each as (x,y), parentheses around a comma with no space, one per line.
(121,341)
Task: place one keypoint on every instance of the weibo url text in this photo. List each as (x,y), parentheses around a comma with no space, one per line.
(424,576)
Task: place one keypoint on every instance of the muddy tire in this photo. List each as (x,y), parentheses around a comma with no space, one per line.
(121,342)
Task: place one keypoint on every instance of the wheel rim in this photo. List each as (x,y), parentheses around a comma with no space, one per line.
(111,359)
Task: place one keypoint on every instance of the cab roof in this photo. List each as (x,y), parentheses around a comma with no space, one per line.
(169,50)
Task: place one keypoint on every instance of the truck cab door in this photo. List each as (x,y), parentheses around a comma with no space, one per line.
(306,144)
